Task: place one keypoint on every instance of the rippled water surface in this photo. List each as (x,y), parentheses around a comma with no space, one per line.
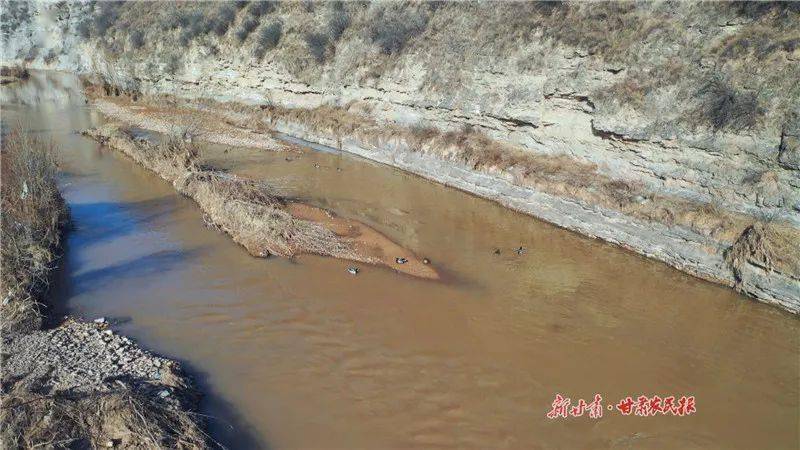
(300,354)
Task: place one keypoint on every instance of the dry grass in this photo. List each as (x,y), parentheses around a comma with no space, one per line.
(767,246)
(170,159)
(250,212)
(257,219)
(32,213)
(124,417)
(14,72)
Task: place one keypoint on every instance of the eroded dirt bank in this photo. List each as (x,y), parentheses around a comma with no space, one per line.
(77,384)
(698,238)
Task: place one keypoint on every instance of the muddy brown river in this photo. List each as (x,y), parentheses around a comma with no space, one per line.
(299,354)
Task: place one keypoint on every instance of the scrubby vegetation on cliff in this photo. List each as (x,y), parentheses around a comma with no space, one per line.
(723,66)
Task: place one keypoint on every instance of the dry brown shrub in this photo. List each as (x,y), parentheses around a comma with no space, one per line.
(255,217)
(769,246)
(250,212)
(15,72)
(129,418)
(32,213)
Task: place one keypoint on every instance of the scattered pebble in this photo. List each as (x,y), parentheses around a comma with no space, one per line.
(100,320)
(81,356)
(426,261)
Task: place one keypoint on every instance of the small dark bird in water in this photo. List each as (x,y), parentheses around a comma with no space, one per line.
(521,250)
(400,260)
(316,165)
(353,270)
(426,261)
(338,169)
(497,251)
(288,159)
(226,151)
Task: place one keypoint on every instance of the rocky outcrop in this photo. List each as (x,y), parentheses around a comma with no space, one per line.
(668,122)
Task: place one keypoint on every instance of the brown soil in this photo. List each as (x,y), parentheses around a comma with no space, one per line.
(371,244)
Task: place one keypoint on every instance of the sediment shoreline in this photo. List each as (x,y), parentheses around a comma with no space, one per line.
(77,383)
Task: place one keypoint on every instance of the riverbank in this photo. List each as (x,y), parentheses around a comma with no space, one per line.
(78,383)
(698,238)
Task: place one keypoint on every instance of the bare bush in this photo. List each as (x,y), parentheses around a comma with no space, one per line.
(756,10)
(15,71)
(130,418)
(84,29)
(317,44)
(338,22)
(223,18)
(268,38)
(136,39)
(195,24)
(724,107)
(33,212)
(391,30)
(247,26)
(13,15)
(50,56)
(173,64)
(259,8)
(105,18)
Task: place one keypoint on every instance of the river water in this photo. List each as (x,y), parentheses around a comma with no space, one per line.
(300,354)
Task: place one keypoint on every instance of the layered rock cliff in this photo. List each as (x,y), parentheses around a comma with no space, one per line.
(669,128)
